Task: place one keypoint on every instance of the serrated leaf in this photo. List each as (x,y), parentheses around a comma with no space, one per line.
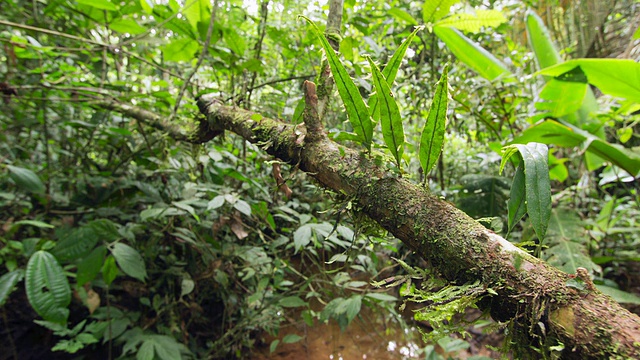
(391,70)
(538,185)
(8,282)
(474,22)
(517,204)
(354,104)
(129,261)
(472,54)
(390,120)
(432,138)
(90,266)
(434,10)
(47,287)
(26,179)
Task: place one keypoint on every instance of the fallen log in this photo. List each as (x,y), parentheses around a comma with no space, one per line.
(532,294)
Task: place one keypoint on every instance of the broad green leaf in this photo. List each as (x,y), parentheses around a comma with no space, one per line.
(350,307)
(109,270)
(147,6)
(26,179)
(391,70)
(517,198)
(8,282)
(36,223)
(146,351)
(181,49)
(535,157)
(567,135)
(434,10)
(473,22)
(166,347)
(99,4)
(561,97)
(575,105)
(235,41)
(89,267)
(105,230)
(432,138)
(540,41)
(292,301)
(129,261)
(381,296)
(565,238)
(390,120)
(47,287)
(184,205)
(619,295)
(196,11)
(472,54)
(356,109)
(302,236)
(216,202)
(636,35)
(243,207)
(616,77)
(274,346)
(403,16)
(291,338)
(75,244)
(127,26)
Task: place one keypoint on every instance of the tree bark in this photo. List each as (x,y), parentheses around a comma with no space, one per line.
(530,293)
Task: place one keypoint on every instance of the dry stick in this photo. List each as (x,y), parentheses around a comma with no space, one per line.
(205,49)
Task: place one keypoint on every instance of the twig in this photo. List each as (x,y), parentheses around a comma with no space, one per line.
(262,31)
(205,49)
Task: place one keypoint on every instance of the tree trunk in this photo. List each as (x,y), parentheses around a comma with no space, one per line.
(530,293)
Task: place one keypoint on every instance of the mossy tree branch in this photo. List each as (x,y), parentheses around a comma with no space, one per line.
(530,293)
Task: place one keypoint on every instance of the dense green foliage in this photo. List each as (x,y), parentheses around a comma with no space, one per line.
(125,239)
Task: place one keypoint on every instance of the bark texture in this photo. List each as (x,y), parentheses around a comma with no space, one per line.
(533,294)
